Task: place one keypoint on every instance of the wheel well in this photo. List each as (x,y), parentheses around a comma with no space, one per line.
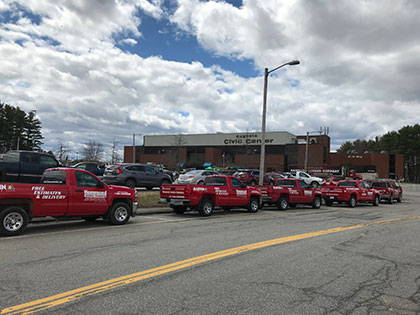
(353,195)
(256,197)
(318,195)
(211,197)
(124,200)
(284,195)
(25,203)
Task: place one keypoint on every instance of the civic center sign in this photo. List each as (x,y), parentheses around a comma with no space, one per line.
(220,139)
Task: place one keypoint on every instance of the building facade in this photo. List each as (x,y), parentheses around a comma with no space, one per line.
(284,152)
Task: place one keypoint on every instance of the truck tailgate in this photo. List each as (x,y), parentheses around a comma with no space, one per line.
(176,191)
(332,191)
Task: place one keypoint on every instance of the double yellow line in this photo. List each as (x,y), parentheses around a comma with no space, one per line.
(96,288)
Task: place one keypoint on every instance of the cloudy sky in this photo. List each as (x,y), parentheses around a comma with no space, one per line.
(105,69)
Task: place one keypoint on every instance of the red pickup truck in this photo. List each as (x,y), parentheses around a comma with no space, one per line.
(388,190)
(218,190)
(289,192)
(63,192)
(350,192)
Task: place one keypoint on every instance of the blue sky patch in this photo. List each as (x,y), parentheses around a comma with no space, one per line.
(183,114)
(160,38)
(19,12)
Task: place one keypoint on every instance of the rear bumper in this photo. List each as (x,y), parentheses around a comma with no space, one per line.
(175,202)
(335,198)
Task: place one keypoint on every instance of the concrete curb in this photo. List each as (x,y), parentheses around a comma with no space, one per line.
(139,211)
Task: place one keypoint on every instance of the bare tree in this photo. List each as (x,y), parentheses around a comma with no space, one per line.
(115,156)
(92,151)
(62,151)
(178,141)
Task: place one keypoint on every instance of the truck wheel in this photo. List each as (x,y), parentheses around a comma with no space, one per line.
(253,205)
(315,184)
(282,203)
(375,201)
(391,199)
(206,208)
(316,203)
(253,183)
(130,183)
(13,221)
(179,209)
(352,201)
(119,214)
(399,199)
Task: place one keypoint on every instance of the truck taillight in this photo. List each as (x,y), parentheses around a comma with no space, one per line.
(118,169)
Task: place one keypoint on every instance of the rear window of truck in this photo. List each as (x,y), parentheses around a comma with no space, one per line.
(286,183)
(215,181)
(379,184)
(54,177)
(347,184)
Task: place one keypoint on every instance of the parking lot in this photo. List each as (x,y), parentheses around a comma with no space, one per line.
(301,261)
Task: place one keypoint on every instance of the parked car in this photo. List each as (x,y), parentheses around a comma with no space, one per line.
(135,175)
(195,177)
(92,167)
(314,181)
(251,177)
(287,175)
(25,166)
(274,176)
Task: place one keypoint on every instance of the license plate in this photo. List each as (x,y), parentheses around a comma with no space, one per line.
(331,197)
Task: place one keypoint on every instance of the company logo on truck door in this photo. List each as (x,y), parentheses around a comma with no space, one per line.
(7,187)
(94,195)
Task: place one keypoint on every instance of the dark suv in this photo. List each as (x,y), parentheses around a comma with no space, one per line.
(135,175)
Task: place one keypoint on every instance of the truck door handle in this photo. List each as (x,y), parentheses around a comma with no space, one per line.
(78,190)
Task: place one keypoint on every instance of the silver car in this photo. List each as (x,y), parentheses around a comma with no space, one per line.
(195,177)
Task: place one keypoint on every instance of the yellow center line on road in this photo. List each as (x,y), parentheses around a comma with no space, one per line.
(96,288)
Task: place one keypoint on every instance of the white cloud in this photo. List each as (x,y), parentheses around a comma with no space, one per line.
(358,72)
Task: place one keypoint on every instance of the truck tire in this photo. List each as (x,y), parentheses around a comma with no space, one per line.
(282,203)
(119,214)
(391,199)
(253,205)
(315,184)
(352,201)
(13,221)
(316,203)
(179,209)
(130,183)
(375,201)
(206,207)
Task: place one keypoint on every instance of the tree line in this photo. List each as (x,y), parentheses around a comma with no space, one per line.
(404,141)
(19,130)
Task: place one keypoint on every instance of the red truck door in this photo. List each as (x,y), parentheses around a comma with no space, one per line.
(51,196)
(365,193)
(87,195)
(306,194)
(238,193)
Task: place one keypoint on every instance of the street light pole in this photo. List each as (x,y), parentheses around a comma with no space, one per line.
(134,146)
(264,113)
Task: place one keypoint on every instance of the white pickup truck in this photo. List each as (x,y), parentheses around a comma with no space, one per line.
(308,179)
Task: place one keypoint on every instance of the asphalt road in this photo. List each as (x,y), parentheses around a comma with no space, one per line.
(365,260)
